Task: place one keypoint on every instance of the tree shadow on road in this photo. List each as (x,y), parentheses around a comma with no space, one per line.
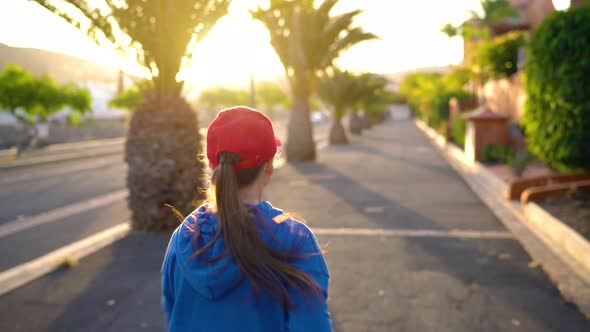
(517,286)
(115,289)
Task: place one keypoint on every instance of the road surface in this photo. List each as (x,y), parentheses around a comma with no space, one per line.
(61,191)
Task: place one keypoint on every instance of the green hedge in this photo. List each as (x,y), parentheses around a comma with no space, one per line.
(498,153)
(557,84)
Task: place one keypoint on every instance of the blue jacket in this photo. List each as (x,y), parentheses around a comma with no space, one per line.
(215,297)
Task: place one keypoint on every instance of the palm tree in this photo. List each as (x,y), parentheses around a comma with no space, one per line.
(365,91)
(163,138)
(371,96)
(307,40)
(340,91)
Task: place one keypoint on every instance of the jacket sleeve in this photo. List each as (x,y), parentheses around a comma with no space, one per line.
(168,280)
(310,312)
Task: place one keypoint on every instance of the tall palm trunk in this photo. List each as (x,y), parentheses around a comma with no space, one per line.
(337,132)
(300,144)
(161,151)
(355,123)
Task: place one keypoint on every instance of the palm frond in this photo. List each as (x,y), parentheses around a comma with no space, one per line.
(308,39)
(159,32)
(352,38)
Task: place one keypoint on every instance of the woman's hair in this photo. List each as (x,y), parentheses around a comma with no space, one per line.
(266,268)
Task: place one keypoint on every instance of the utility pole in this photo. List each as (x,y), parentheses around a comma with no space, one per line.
(120,81)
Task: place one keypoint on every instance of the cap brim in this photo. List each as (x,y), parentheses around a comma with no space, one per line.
(278,141)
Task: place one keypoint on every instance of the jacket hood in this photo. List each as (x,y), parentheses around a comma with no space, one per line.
(215,272)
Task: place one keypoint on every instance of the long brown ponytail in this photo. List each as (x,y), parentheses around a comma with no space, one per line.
(266,268)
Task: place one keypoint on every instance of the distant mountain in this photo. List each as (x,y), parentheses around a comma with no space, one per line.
(62,67)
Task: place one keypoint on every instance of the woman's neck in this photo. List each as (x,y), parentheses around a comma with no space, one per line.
(251,195)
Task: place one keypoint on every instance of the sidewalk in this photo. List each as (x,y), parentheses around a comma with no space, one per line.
(408,245)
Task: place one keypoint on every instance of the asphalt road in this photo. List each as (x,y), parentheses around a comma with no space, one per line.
(45,187)
(28,191)
(390,181)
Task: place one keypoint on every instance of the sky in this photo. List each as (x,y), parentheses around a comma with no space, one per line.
(409,34)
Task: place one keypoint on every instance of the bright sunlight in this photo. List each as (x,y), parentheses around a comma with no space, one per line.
(238,46)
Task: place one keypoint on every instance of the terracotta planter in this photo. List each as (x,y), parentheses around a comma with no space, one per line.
(536,194)
(517,187)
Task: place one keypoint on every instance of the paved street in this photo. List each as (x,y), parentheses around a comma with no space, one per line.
(408,245)
(26,192)
(47,187)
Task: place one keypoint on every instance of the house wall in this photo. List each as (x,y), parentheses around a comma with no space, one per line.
(506,96)
(536,11)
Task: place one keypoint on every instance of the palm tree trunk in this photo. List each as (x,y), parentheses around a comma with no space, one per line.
(162,148)
(337,132)
(355,123)
(300,144)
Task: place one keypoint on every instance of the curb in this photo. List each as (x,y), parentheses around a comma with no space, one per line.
(70,151)
(97,152)
(65,147)
(571,245)
(572,286)
(27,272)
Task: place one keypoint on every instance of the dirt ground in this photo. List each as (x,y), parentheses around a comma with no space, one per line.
(574,210)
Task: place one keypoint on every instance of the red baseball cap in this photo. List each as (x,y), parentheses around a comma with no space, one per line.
(244,131)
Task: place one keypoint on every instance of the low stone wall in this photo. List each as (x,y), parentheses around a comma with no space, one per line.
(62,132)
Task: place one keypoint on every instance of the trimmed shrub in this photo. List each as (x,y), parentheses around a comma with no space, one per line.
(557,84)
(521,161)
(458,130)
(498,153)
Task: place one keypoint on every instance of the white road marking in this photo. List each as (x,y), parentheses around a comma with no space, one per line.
(29,271)
(21,224)
(434,233)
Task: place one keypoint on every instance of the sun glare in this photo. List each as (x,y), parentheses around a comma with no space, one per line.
(234,49)
(238,46)
(561,4)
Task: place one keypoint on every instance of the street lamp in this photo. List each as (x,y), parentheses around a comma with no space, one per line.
(246,28)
